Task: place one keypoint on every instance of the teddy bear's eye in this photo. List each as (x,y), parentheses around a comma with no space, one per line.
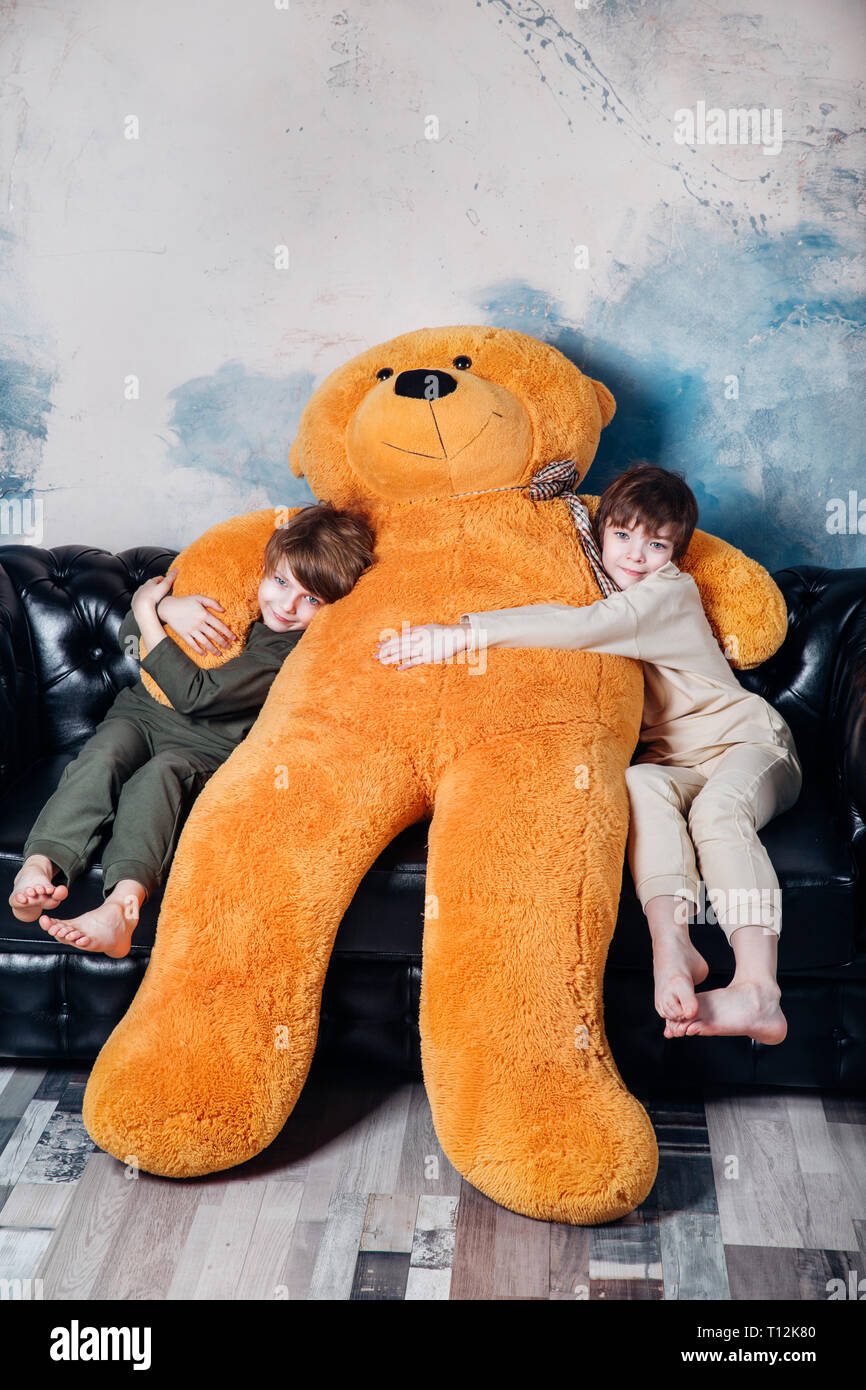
(384,372)
(463,363)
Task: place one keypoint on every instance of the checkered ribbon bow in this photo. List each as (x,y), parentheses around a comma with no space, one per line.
(560,480)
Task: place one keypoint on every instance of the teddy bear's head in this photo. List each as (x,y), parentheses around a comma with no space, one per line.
(444,411)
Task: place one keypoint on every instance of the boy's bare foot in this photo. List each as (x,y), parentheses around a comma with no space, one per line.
(33,890)
(677,968)
(107,928)
(747,1007)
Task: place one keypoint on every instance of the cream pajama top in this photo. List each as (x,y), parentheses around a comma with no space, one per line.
(694,706)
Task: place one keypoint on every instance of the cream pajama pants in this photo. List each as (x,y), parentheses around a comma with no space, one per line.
(711,813)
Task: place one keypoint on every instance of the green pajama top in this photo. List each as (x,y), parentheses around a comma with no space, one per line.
(213,709)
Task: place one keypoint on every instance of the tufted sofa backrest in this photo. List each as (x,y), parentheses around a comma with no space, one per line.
(61,665)
(817,682)
(826,608)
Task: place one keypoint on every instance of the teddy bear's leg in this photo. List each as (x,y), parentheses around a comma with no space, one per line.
(524,872)
(208,1062)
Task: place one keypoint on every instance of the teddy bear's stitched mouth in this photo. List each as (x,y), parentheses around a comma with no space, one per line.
(444,455)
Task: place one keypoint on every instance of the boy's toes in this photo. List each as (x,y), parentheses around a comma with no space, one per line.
(54,926)
(674,1008)
(687,1007)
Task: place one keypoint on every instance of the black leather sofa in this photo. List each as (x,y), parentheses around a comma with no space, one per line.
(60,666)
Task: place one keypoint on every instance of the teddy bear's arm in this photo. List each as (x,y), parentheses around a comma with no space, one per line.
(744,607)
(225,563)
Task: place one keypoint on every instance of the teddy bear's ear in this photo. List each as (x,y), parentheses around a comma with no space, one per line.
(606,402)
(295,461)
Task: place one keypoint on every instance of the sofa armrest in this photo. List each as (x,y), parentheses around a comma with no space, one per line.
(848,723)
(9,731)
(8,719)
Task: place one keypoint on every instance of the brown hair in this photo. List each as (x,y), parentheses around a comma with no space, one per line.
(653,497)
(326,549)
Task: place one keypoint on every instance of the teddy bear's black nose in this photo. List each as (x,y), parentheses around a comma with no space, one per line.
(424,384)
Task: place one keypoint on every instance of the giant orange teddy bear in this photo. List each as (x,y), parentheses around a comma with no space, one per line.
(520,760)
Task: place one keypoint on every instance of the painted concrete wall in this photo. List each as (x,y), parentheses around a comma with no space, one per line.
(428,164)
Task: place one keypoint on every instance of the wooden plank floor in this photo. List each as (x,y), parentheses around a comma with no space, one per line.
(759,1195)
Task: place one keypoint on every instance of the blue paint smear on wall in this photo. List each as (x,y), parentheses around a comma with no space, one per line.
(25,400)
(239,424)
(26,383)
(776,314)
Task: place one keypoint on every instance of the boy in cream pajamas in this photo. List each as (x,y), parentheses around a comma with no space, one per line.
(714,762)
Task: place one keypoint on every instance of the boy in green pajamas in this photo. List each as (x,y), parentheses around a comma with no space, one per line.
(146,763)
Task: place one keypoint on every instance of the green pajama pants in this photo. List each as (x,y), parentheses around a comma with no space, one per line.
(136,774)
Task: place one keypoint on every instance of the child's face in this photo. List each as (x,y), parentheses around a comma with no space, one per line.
(630,553)
(285,604)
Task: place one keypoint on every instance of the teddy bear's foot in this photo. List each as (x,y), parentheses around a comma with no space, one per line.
(207,1065)
(164,1124)
(526,1100)
(548,1129)
(202,1073)
(580,1159)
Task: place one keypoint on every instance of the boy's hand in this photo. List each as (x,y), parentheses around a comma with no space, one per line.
(191,618)
(418,646)
(147,596)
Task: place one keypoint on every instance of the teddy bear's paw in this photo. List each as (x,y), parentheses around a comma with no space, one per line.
(564,1187)
(580,1162)
(186,1136)
(182,1144)
(189,1112)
